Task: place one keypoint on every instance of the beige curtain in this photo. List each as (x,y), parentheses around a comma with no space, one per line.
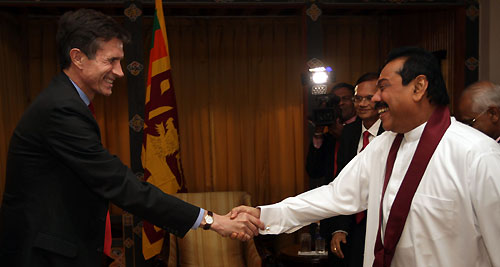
(240,104)
(238,89)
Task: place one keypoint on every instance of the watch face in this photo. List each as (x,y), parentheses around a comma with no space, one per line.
(209,219)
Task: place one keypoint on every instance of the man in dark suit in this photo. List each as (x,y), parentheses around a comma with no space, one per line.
(350,230)
(479,107)
(60,178)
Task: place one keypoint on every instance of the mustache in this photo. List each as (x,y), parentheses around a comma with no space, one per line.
(381,104)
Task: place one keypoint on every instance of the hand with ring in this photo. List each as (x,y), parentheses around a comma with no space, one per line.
(335,244)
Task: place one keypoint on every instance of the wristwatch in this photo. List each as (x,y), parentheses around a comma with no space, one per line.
(209,219)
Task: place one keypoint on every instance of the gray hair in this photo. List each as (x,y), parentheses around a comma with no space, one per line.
(484,95)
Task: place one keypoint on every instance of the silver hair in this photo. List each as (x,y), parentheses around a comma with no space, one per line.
(484,95)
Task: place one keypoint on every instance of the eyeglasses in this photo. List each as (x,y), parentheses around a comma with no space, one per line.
(471,122)
(345,98)
(359,99)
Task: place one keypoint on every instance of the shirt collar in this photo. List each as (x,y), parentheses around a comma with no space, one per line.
(415,134)
(373,129)
(82,95)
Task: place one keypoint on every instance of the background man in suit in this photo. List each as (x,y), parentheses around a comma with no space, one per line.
(345,92)
(59,176)
(479,107)
(351,229)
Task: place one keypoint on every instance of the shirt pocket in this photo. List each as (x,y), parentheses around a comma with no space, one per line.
(432,218)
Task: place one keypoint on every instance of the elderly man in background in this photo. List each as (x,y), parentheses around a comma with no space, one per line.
(479,107)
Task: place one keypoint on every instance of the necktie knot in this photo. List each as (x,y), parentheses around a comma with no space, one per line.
(91,107)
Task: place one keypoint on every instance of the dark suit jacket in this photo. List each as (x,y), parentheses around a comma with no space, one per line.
(59,181)
(354,249)
(320,161)
(349,141)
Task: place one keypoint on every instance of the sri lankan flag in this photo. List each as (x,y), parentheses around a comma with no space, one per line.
(160,146)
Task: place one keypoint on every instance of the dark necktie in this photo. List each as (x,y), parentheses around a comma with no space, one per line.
(366,134)
(379,250)
(107,234)
(91,107)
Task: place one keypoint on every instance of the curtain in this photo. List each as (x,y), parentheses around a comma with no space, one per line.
(358,44)
(353,46)
(240,104)
(238,90)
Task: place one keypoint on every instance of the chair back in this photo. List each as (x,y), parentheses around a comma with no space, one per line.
(206,248)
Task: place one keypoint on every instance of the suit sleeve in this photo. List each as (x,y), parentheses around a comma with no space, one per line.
(73,136)
(319,162)
(337,223)
(314,162)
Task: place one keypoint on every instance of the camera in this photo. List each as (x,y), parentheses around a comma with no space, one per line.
(327,110)
(325,107)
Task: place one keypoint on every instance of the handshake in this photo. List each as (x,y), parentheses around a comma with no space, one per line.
(240,223)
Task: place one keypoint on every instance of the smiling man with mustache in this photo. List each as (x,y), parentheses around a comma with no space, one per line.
(430,183)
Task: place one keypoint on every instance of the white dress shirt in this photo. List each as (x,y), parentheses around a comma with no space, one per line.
(454,218)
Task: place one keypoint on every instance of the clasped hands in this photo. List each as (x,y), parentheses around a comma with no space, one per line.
(241,223)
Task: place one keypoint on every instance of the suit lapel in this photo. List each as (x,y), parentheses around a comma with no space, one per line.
(354,142)
(65,87)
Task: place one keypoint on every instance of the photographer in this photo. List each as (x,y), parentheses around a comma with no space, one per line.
(335,110)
